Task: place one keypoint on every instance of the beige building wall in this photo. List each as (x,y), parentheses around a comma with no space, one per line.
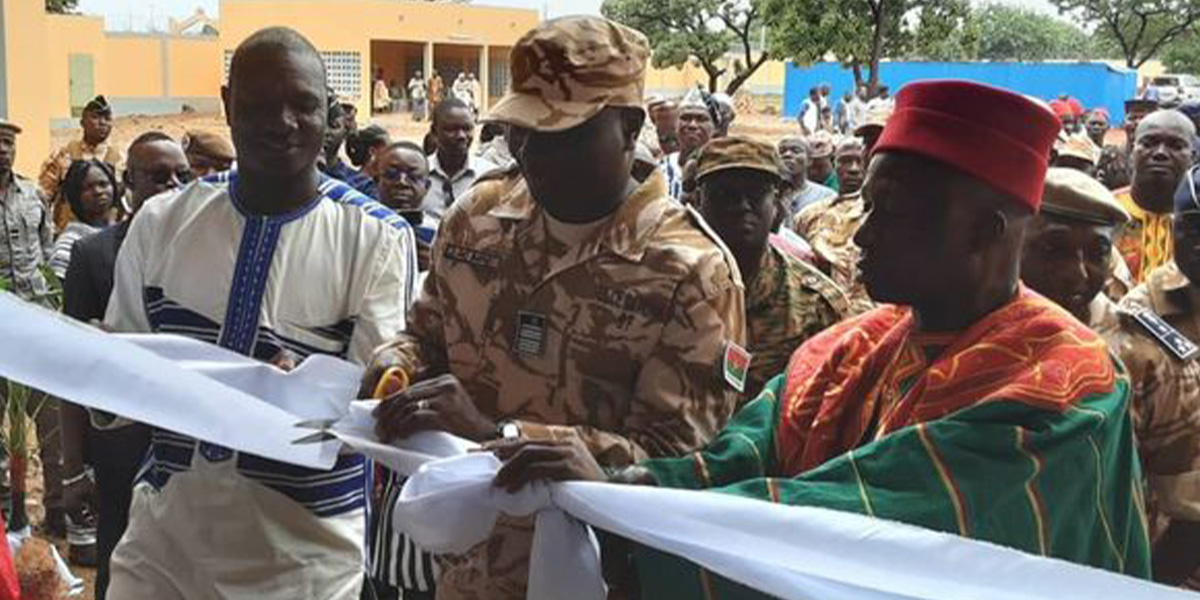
(350,27)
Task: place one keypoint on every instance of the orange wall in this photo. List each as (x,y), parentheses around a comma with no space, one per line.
(27,80)
(195,67)
(132,67)
(67,35)
(350,25)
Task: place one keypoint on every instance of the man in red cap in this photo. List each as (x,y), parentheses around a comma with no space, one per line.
(966,404)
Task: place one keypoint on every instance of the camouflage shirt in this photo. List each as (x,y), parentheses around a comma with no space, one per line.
(789,302)
(28,239)
(1166,395)
(829,226)
(617,341)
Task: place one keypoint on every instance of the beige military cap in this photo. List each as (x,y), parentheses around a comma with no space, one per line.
(877,118)
(738,152)
(6,125)
(567,70)
(1072,194)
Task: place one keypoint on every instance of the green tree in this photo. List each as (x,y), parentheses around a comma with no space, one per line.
(860,33)
(1139,29)
(1183,55)
(61,6)
(1011,33)
(700,30)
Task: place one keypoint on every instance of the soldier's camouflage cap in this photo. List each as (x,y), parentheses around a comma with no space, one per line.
(565,71)
(738,152)
(1074,195)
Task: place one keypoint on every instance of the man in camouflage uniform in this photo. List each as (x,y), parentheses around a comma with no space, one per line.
(97,126)
(28,234)
(1159,328)
(829,226)
(787,300)
(566,300)
(1068,254)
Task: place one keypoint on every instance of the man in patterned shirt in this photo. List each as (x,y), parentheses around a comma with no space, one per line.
(566,300)
(1162,153)
(787,300)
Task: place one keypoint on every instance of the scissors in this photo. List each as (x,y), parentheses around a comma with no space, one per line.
(393,380)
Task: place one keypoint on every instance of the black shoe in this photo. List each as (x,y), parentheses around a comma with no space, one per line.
(82,556)
(55,525)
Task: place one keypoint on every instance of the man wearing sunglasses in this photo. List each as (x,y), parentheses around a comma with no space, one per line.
(402,181)
(157,164)
(1157,339)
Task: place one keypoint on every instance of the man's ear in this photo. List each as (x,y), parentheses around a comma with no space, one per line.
(225,102)
(990,226)
(633,119)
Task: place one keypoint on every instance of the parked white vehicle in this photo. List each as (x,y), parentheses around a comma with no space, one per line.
(1176,88)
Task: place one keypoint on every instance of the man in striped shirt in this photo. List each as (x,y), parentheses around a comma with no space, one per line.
(277,262)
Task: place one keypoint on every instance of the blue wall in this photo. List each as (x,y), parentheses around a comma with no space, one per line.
(1094,84)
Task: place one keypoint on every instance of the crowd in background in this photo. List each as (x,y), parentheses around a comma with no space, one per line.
(609,288)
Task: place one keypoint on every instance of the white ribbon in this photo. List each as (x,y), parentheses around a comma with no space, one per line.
(793,553)
(450,505)
(176,383)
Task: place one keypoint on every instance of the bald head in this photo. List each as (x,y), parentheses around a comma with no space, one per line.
(272,41)
(1169,120)
(1162,152)
(275,104)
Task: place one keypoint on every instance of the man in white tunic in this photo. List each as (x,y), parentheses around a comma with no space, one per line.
(277,263)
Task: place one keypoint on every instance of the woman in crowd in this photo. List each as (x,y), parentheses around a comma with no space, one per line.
(90,188)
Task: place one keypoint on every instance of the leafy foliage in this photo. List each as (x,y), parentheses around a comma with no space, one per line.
(700,30)
(1183,55)
(859,33)
(1138,29)
(1012,33)
(61,6)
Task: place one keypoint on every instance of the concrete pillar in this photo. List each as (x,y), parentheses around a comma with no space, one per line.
(428,64)
(484,77)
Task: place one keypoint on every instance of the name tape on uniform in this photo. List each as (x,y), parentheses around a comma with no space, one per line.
(1175,342)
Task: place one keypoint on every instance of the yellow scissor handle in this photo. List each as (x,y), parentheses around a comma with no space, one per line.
(393,380)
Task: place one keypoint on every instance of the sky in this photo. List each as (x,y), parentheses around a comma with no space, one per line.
(138,15)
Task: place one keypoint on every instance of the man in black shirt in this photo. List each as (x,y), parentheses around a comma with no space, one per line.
(156,164)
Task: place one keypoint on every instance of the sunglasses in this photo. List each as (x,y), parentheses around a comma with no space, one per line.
(164,177)
(402,175)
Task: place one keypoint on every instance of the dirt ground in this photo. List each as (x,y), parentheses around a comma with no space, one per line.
(400,126)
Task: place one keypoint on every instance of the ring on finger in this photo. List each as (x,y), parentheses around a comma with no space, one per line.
(422,405)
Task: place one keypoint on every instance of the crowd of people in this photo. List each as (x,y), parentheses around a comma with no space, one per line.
(388,97)
(958,308)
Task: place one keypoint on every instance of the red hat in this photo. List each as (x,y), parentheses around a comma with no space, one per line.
(999,137)
(1061,109)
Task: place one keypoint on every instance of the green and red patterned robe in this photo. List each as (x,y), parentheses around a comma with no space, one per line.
(1016,433)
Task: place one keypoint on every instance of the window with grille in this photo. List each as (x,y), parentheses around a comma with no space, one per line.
(343,70)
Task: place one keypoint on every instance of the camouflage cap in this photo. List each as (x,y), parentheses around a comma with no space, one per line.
(207,144)
(877,118)
(565,71)
(1073,195)
(1077,146)
(821,144)
(738,152)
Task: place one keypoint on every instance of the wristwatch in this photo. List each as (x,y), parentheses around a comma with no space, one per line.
(508,429)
